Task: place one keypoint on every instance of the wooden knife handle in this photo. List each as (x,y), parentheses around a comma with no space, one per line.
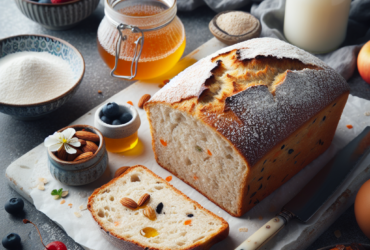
(265,233)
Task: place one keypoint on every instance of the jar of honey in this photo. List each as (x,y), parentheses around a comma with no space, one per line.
(119,138)
(140,39)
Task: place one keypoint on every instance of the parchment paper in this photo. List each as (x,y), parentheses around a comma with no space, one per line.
(85,231)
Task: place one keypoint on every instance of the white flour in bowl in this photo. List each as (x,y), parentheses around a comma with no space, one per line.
(33,77)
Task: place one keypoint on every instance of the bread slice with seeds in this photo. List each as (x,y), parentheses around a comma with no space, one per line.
(179,222)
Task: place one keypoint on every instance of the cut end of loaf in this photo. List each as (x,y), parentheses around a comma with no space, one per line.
(180,224)
(198,155)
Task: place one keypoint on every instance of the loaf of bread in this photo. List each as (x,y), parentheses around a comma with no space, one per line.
(175,221)
(239,123)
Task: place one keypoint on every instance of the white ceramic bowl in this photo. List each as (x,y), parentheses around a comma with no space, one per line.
(118,131)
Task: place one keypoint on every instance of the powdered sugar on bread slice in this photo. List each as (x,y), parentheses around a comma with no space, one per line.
(181,223)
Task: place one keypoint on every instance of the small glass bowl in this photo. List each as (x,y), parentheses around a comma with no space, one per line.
(119,138)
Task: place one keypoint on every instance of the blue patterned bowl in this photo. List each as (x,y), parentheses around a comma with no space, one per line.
(60,16)
(54,46)
(81,172)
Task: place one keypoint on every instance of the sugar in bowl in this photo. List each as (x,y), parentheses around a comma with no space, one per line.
(140,39)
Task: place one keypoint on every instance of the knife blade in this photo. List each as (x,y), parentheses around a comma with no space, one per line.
(313,196)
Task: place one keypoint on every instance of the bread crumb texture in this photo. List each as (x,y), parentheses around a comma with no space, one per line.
(171,225)
(243,121)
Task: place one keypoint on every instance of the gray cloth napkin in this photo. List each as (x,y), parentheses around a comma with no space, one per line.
(216,5)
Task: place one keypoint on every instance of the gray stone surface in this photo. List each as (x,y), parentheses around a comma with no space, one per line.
(18,137)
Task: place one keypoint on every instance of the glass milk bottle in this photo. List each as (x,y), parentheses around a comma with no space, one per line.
(317,26)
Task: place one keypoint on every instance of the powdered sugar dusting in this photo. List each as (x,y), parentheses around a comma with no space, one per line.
(265,119)
(189,83)
(276,48)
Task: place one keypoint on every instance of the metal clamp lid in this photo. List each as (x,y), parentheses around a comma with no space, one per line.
(139,41)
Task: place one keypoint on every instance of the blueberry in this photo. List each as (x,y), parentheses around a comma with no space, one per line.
(116,122)
(12,241)
(125,118)
(159,208)
(106,119)
(44,1)
(14,205)
(111,110)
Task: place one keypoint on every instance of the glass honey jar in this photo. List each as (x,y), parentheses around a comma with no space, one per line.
(140,39)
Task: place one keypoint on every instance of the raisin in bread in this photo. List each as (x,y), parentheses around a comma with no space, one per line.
(239,123)
(179,223)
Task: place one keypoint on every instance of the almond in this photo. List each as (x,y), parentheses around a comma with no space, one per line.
(83,156)
(83,142)
(89,147)
(62,153)
(88,136)
(150,213)
(120,171)
(71,157)
(129,203)
(143,100)
(143,199)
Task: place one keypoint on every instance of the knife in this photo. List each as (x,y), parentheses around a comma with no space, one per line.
(309,200)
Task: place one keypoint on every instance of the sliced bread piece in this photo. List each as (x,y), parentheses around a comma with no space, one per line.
(180,223)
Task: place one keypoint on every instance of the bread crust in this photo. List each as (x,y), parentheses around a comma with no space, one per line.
(292,99)
(203,244)
(257,116)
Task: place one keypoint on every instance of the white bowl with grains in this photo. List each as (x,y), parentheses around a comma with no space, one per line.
(38,74)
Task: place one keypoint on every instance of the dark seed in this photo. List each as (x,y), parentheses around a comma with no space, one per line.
(295,162)
(257,201)
(253,194)
(264,162)
(290,151)
(260,178)
(268,177)
(324,118)
(334,104)
(159,208)
(190,215)
(262,169)
(260,187)
(296,155)
(282,147)
(314,121)
(274,161)
(250,201)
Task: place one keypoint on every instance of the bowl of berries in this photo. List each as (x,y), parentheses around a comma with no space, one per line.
(57,14)
(119,124)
